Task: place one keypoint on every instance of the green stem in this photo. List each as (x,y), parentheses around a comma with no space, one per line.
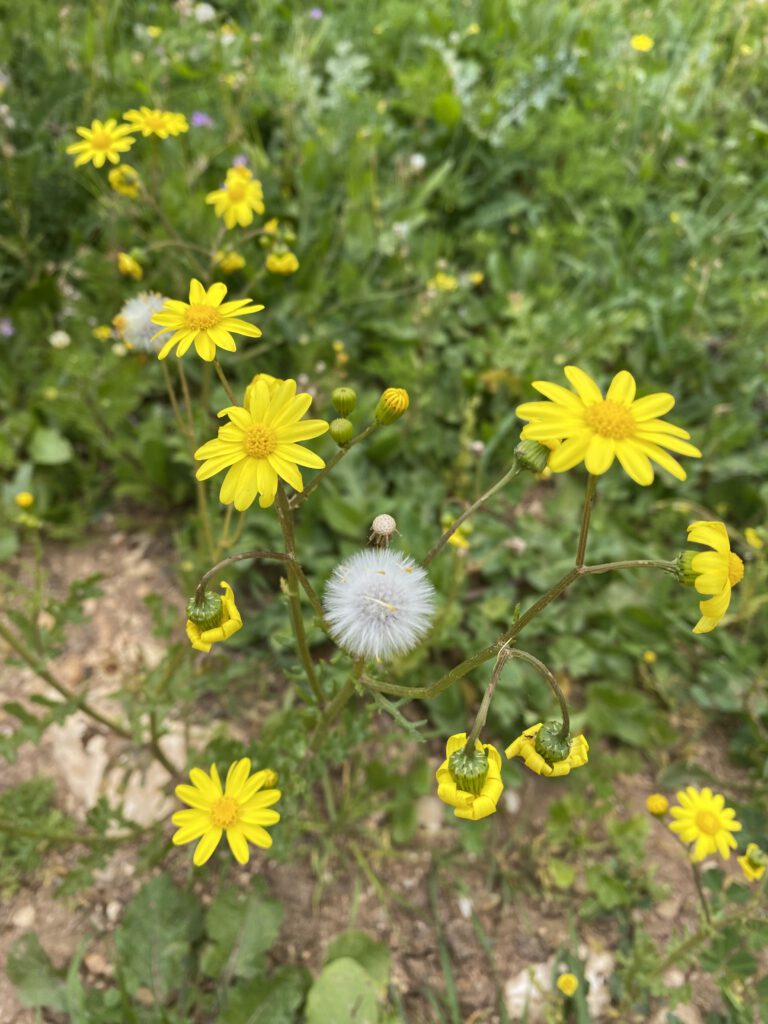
(700,893)
(154,743)
(174,403)
(285,516)
(482,714)
(542,668)
(224,382)
(586,514)
(301,496)
(278,556)
(13,828)
(338,703)
(443,540)
(637,563)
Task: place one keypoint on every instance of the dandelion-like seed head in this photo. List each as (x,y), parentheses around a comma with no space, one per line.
(134,321)
(379,603)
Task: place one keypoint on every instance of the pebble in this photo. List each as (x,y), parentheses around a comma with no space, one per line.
(24,917)
(669,909)
(97,964)
(113,910)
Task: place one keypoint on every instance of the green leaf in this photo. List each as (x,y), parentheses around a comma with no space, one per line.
(267,1002)
(242,926)
(562,874)
(446,109)
(49,448)
(372,955)
(345,993)
(155,938)
(30,970)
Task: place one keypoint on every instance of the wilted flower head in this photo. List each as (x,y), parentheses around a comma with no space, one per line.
(379,603)
(134,321)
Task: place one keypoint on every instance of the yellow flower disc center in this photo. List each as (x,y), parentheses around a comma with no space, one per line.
(236,191)
(609,419)
(200,317)
(224,812)
(155,121)
(101,140)
(708,822)
(735,569)
(259,441)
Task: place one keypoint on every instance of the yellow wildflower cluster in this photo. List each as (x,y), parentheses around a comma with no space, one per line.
(107,140)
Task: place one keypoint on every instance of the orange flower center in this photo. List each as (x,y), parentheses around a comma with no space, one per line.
(200,317)
(259,441)
(609,419)
(708,822)
(101,140)
(224,812)
(735,569)
(236,191)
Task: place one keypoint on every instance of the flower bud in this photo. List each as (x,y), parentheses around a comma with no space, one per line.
(684,568)
(382,529)
(469,770)
(341,431)
(392,404)
(344,400)
(532,455)
(206,613)
(25,499)
(550,744)
(271,780)
(657,805)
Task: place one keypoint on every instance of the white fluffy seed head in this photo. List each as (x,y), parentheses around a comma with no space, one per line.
(379,603)
(137,327)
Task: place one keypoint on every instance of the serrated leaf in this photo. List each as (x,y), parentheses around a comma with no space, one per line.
(275,1001)
(242,927)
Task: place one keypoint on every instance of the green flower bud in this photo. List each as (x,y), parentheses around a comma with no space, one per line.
(341,431)
(391,406)
(344,400)
(684,568)
(207,613)
(550,744)
(532,455)
(469,771)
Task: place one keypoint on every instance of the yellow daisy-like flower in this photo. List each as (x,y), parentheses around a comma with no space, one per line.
(241,809)
(231,620)
(125,180)
(567,983)
(716,572)
(128,266)
(525,747)
(258,445)
(161,123)
(595,430)
(471,806)
(753,863)
(702,818)
(282,263)
(443,282)
(241,196)
(642,43)
(205,321)
(101,142)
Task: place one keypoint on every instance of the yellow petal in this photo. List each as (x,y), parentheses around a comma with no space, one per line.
(206,846)
(585,387)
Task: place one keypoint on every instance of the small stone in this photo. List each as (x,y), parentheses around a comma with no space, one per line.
(669,909)
(429,814)
(97,964)
(465,906)
(113,910)
(145,996)
(674,978)
(24,917)
(511,801)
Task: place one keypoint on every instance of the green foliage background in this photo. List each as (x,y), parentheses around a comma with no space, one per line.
(615,203)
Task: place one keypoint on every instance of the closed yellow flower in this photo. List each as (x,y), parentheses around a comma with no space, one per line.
(241,809)
(128,266)
(282,263)
(229,261)
(230,621)
(468,805)
(25,499)
(258,445)
(104,140)
(525,747)
(205,321)
(715,572)
(657,805)
(240,197)
(703,819)
(567,983)
(125,180)
(596,430)
(753,863)
(642,43)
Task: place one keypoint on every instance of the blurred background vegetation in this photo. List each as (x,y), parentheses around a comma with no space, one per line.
(481,192)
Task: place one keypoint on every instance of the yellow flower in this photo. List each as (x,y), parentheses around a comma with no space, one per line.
(753,863)
(127,265)
(595,430)
(229,261)
(205,321)
(753,538)
(258,445)
(238,199)
(702,818)
(282,263)
(101,142)
(650,657)
(716,572)
(473,29)
(102,333)
(273,383)
(674,217)
(642,43)
(567,983)
(25,499)
(443,282)
(270,228)
(391,406)
(125,180)
(471,806)
(525,747)
(476,278)
(241,810)
(154,31)
(161,123)
(657,805)
(203,639)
